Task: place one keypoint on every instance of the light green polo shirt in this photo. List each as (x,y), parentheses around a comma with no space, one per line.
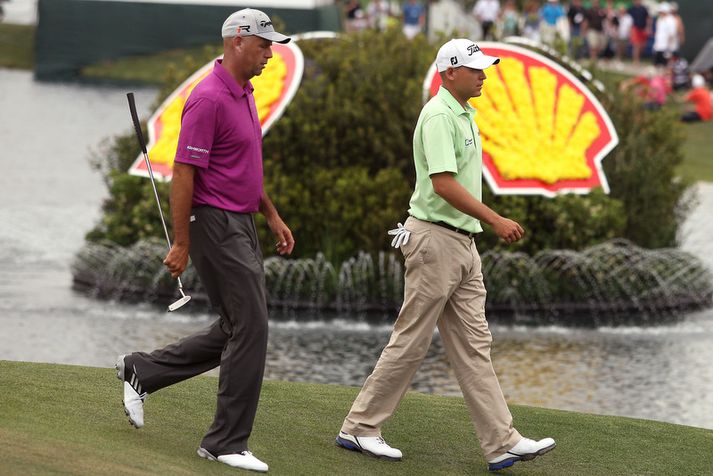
(446,139)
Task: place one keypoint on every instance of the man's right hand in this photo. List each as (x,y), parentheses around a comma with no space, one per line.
(508,230)
(176,260)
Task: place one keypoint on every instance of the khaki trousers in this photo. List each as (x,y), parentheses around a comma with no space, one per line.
(444,288)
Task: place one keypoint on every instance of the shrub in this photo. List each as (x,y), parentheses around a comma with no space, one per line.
(340,211)
(338,164)
(641,170)
(564,222)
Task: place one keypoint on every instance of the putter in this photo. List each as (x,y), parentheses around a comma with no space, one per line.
(140,137)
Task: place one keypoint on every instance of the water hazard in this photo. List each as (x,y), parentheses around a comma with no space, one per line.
(51,197)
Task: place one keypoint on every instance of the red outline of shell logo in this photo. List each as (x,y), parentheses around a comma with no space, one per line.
(543,131)
(274,89)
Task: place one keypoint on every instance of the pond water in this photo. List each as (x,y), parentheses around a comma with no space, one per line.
(50,198)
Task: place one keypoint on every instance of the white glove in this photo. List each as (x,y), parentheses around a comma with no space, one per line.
(401,236)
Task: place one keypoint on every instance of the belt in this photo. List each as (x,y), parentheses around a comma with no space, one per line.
(469,234)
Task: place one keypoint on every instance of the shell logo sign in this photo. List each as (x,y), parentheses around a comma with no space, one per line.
(274,89)
(543,131)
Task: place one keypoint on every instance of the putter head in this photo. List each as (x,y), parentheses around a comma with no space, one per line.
(179,304)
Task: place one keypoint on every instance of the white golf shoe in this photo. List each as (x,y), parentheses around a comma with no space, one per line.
(133,396)
(244,460)
(525,450)
(371,445)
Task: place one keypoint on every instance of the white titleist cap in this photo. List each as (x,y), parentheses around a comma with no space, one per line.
(462,52)
(250,22)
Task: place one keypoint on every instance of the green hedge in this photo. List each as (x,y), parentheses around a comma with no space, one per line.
(338,164)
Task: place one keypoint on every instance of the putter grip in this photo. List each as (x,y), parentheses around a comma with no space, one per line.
(135,119)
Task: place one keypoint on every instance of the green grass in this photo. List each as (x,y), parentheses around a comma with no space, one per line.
(58,419)
(698,152)
(17,44)
(150,69)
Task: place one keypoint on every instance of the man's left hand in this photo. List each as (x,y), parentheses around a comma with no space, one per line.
(285,241)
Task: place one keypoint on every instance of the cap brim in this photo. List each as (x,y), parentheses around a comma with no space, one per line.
(482,62)
(274,37)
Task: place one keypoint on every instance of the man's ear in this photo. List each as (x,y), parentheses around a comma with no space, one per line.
(237,42)
(450,73)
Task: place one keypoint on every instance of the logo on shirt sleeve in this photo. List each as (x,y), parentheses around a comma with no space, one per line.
(193,150)
(468,142)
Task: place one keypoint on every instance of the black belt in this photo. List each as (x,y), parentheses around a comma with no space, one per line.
(469,234)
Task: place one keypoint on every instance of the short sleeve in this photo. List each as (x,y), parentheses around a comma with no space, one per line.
(438,145)
(197,132)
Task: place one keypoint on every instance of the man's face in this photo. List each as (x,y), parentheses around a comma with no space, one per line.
(254,52)
(469,82)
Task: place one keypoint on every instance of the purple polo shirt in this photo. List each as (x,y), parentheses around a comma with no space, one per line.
(221,136)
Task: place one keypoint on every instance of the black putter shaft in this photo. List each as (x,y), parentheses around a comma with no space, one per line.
(140,137)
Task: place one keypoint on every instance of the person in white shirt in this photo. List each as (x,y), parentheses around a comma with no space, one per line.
(380,13)
(666,36)
(625,22)
(487,13)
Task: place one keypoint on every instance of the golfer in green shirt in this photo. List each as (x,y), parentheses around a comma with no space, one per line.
(443,280)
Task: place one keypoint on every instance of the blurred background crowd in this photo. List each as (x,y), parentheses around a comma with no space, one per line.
(638,37)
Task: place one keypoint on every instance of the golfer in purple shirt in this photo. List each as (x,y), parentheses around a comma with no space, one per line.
(217,187)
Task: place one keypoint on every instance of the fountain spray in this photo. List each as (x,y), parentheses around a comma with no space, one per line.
(140,137)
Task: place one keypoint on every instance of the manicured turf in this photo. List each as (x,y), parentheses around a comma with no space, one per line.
(698,152)
(58,419)
(17,44)
(149,69)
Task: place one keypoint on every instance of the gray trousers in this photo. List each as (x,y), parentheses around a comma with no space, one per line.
(225,251)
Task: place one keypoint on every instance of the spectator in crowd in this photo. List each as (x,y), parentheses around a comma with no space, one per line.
(623,32)
(356,18)
(611,28)
(679,72)
(576,17)
(380,14)
(510,19)
(595,18)
(550,14)
(700,98)
(531,21)
(665,36)
(653,87)
(487,13)
(680,29)
(414,18)
(640,30)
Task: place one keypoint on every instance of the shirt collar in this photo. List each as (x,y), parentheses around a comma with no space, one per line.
(227,79)
(446,96)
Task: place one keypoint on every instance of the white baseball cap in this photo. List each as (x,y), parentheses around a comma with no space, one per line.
(463,52)
(251,22)
(698,81)
(664,7)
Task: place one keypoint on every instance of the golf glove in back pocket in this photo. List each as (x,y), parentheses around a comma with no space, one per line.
(401,236)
